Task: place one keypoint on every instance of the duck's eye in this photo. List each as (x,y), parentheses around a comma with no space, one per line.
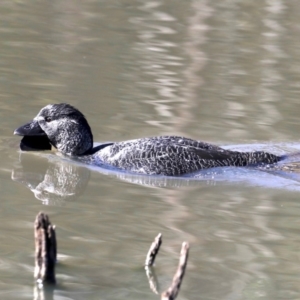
(48,119)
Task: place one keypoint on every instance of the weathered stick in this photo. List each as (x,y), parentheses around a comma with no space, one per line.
(45,249)
(172,292)
(154,248)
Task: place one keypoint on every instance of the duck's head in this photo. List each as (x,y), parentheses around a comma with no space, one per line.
(65,126)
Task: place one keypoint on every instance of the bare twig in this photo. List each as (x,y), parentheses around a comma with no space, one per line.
(172,292)
(154,248)
(45,249)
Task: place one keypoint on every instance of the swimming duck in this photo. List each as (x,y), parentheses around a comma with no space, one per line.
(69,132)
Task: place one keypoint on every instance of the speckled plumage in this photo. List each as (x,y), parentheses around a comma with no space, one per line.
(173,156)
(68,131)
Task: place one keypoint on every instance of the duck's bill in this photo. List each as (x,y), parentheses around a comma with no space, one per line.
(30,129)
(34,138)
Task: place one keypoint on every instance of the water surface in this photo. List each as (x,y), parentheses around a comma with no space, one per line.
(225,72)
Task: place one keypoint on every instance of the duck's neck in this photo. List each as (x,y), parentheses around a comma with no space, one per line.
(76,139)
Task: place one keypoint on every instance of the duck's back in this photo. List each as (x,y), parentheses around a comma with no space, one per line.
(172,156)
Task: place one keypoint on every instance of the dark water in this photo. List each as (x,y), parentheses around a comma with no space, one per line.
(227,72)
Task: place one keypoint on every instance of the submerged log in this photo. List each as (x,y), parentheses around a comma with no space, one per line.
(154,248)
(45,249)
(172,292)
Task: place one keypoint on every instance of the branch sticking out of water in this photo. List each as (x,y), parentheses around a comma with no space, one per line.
(154,248)
(172,292)
(45,249)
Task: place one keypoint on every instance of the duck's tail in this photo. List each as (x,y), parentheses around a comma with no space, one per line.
(290,157)
(261,157)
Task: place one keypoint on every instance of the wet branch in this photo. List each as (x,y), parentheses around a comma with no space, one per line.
(172,292)
(154,248)
(46,252)
(45,249)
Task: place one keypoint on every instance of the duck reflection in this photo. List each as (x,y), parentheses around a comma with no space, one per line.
(54,179)
(51,180)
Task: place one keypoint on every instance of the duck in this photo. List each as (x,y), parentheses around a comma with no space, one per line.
(67,129)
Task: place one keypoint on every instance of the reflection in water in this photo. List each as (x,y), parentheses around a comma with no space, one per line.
(45,292)
(160,61)
(270,74)
(54,181)
(196,30)
(152,279)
